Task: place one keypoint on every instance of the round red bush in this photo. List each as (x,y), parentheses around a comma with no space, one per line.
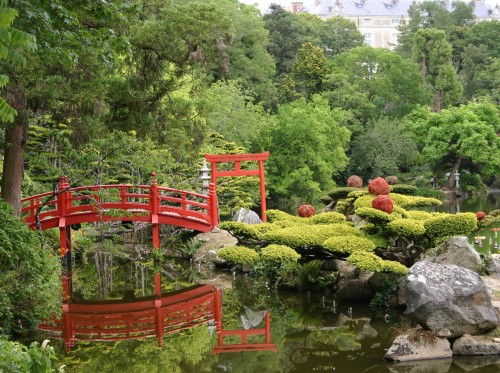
(480,215)
(306,211)
(383,203)
(355,181)
(379,187)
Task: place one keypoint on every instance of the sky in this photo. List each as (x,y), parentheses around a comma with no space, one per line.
(264,4)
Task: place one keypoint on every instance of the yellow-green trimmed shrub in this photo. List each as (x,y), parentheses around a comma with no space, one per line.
(378,240)
(364,201)
(279,254)
(399,212)
(408,202)
(394,267)
(253,231)
(419,215)
(358,193)
(275,216)
(448,225)
(239,255)
(326,218)
(348,244)
(374,216)
(303,236)
(365,261)
(405,227)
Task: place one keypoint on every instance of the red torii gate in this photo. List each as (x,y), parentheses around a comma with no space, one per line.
(237,171)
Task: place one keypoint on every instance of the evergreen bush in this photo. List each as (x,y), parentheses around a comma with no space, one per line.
(278,254)
(348,244)
(239,255)
(405,227)
(403,189)
(447,225)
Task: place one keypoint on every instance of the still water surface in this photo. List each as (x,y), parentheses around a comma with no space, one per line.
(313,332)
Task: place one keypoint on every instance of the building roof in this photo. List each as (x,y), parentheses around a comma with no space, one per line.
(379,8)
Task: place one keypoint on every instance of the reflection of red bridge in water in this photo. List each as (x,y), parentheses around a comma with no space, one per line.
(152,316)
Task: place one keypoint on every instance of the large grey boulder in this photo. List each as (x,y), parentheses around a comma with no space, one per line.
(458,251)
(446,296)
(405,348)
(493,266)
(246,216)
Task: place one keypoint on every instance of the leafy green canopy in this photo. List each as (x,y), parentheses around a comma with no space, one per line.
(30,287)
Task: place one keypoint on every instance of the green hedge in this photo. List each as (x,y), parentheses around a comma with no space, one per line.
(375,216)
(275,216)
(403,189)
(251,231)
(394,267)
(239,255)
(406,227)
(343,192)
(419,215)
(447,225)
(370,262)
(408,202)
(348,244)
(279,254)
(304,236)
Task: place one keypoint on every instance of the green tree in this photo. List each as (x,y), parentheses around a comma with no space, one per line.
(433,53)
(386,148)
(308,70)
(30,288)
(459,138)
(339,35)
(307,148)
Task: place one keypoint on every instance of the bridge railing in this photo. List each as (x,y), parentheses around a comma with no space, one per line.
(120,202)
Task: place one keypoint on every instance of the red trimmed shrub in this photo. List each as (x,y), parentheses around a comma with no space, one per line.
(480,215)
(306,211)
(383,203)
(355,181)
(379,187)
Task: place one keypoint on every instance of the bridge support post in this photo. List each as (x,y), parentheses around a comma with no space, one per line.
(218,317)
(154,201)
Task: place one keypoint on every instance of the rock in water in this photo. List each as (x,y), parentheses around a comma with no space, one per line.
(446,296)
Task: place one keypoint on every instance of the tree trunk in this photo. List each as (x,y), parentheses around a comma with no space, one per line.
(455,168)
(12,178)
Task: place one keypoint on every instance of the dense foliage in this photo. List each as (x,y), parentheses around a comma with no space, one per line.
(30,288)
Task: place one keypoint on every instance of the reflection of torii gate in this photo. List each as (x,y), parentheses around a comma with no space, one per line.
(237,171)
(152,316)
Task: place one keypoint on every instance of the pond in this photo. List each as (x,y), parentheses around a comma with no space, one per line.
(310,332)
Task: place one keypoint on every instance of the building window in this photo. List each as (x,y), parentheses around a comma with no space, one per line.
(297,6)
(367,21)
(395,21)
(368,39)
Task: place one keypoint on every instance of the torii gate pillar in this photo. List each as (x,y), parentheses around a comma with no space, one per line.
(237,171)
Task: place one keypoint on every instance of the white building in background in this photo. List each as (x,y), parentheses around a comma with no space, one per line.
(377,20)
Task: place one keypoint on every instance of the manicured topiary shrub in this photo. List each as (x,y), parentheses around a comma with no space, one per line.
(365,261)
(375,216)
(326,200)
(403,189)
(378,241)
(282,218)
(364,201)
(250,231)
(239,255)
(340,193)
(305,236)
(355,181)
(306,211)
(419,215)
(394,267)
(408,202)
(391,180)
(448,225)
(379,187)
(348,244)
(383,203)
(405,227)
(279,254)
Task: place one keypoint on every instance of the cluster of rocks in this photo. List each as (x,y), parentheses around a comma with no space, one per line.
(448,299)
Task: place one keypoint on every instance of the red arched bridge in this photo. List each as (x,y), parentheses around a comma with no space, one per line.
(144,203)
